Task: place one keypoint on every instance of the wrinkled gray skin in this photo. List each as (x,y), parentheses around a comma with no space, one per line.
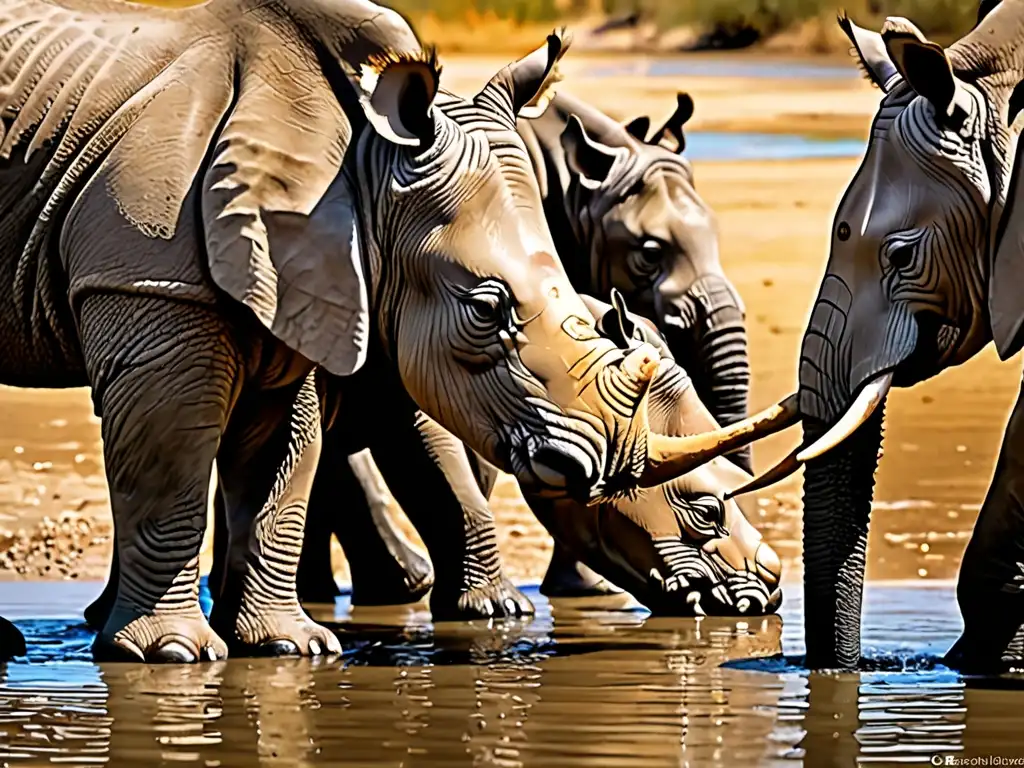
(220,218)
(624,215)
(916,282)
(678,548)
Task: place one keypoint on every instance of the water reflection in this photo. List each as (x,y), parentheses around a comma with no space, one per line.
(572,686)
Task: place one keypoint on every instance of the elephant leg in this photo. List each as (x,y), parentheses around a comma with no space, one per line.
(429,472)
(568,577)
(163,378)
(990,589)
(99,609)
(12,642)
(386,568)
(266,471)
(565,576)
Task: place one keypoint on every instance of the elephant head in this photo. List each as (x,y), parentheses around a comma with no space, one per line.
(370,221)
(646,232)
(909,288)
(678,547)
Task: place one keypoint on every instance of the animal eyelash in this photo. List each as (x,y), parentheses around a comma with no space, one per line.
(864,71)
(378,62)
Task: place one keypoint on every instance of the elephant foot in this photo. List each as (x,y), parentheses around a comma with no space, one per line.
(282,633)
(408,577)
(12,642)
(166,637)
(99,610)
(500,600)
(574,579)
(978,653)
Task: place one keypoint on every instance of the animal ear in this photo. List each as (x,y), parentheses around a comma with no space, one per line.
(398,91)
(279,215)
(638,127)
(670,135)
(871,54)
(922,63)
(591,161)
(1006,275)
(529,82)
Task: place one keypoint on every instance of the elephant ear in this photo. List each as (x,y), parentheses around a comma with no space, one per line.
(871,54)
(670,135)
(398,95)
(923,64)
(279,216)
(527,85)
(588,159)
(1005,306)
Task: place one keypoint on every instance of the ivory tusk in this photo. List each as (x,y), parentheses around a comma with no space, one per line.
(869,398)
(671,457)
(780,471)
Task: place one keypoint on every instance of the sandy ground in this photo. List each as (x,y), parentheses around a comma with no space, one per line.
(774,218)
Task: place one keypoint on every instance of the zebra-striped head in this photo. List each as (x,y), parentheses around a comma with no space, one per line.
(679,548)
(471,305)
(644,231)
(905,290)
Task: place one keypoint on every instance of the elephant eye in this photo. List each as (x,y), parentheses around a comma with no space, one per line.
(901,256)
(651,250)
(488,304)
(647,258)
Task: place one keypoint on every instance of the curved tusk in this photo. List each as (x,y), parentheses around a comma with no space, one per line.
(869,398)
(670,457)
(780,471)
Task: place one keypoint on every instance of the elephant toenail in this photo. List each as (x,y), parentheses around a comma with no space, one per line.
(279,647)
(210,654)
(172,652)
(314,647)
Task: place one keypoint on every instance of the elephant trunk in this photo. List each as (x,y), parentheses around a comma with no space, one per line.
(844,383)
(716,340)
(838,489)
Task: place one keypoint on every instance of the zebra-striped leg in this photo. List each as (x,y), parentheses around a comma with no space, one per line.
(258,608)
(419,460)
(163,377)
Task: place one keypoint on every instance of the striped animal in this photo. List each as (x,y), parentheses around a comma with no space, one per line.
(201,216)
(922,275)
(625,216)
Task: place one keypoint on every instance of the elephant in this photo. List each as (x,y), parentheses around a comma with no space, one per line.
(216,216)
(921,276)
(625,215)
(677,547)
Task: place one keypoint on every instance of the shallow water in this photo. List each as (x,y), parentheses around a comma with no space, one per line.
(576,685)
(728,145)
(715,66)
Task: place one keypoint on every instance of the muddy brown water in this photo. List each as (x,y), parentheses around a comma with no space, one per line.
(578,684)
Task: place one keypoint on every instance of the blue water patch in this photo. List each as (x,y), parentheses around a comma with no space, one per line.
(714,67)
(724,145)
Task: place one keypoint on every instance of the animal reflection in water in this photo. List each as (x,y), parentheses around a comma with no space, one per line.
(586,686)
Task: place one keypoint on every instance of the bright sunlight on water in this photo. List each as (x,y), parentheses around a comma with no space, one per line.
(575,685)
